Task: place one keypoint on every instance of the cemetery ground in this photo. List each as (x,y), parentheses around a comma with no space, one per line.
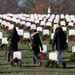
(27,68)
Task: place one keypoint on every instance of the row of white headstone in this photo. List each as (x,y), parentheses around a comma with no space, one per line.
(42,19)
(52,55)
(19,55)
(51,18)
(27,34)
(37,18)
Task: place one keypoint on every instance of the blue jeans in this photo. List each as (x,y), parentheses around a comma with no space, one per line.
(59,59)
(35,57)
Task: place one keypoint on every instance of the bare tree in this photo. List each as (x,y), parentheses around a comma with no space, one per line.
(37,6)
(41,6)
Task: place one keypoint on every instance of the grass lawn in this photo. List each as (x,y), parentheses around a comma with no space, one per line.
(27,68)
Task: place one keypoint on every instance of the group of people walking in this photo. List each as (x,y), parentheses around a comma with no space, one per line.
(58,43)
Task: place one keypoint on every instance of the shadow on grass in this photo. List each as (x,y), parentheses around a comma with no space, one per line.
(70,64)
(70,67)
(32,65)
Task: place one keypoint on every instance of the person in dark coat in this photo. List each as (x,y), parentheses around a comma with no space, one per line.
(59,41)
(36,44)
(13,38)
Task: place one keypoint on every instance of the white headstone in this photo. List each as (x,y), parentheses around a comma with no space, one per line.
(62,23)
(44,48)
(64,28)
(33,26)
(67,18)
(23,22)
(49,24)
(28,23)
(1,35)
(4,40)
(17,54)
(52,35)
(39,29)
(72,17)
(45,31)
(56,21)
(53,56)
(62,16)
(20,32)
(37,21)
(42,23)
(26,35)
(71,32)
(54,27)
(70,24)
(11,26)
(73,48)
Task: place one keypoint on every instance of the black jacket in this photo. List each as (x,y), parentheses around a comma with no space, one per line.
(14,38)
(36,43)
(59,39)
